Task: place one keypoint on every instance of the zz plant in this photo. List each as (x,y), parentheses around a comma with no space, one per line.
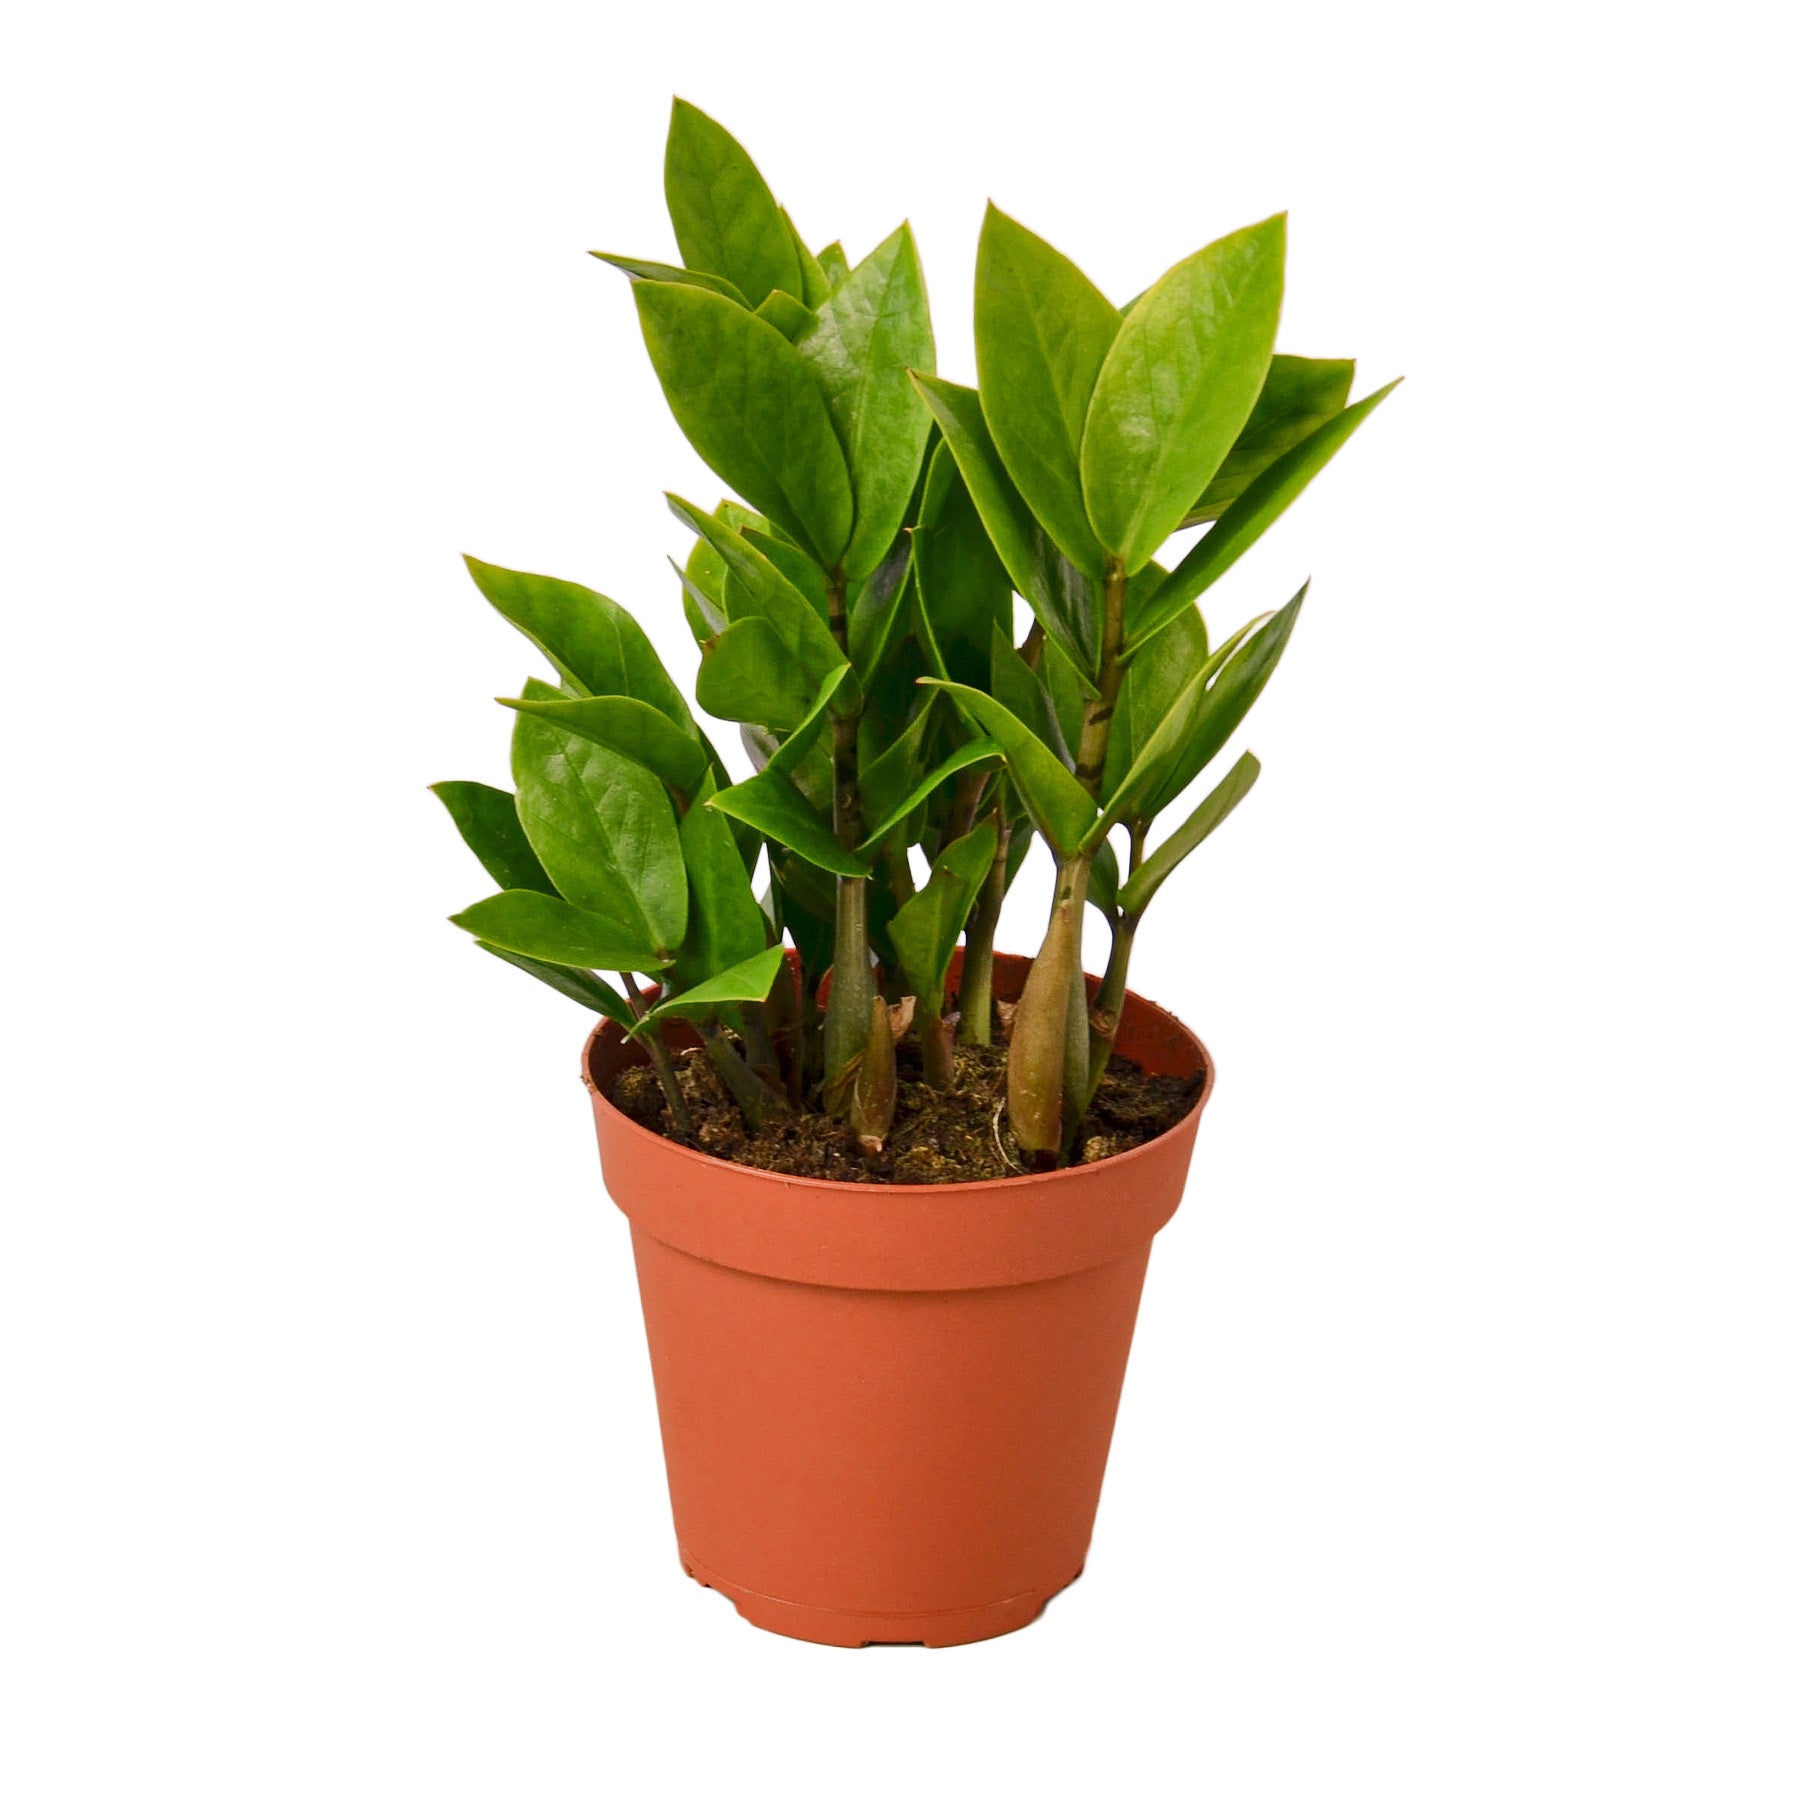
(853,605)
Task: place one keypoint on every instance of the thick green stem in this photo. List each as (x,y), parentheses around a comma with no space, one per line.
(757,1101)
(1103,1015)
(759,1047)
(660,1060)
(1047,1072)
(852,982)
(976,997)
(937,1047)
(1035,1065)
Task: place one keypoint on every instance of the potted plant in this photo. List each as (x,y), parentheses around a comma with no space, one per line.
(892,1192)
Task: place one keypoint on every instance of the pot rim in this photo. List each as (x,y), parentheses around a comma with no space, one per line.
(1012,1184)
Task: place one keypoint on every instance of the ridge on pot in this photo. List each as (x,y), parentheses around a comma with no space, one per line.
(886,1410)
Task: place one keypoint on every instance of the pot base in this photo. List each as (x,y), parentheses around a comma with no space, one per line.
(857,1631)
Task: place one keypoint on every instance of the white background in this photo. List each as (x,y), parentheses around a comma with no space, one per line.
(1458,1453)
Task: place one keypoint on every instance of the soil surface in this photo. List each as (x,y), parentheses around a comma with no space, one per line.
(959,1135)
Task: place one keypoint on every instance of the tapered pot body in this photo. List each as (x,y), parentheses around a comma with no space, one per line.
(886,1409)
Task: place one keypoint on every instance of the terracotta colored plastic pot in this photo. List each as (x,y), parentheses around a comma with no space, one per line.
(886,1409)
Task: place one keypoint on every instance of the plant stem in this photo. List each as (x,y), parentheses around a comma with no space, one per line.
(976,999)
(1035,1064)
(758,1102)
(660,1060)
(759,1049)
(852,982)
(1103,1015)
(1047,1073)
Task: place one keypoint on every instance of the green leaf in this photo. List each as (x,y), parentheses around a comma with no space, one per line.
(603,827)
(593,642)
(757,588)
(725,924)
(1230,694)
(978,750)
(628,727)
(1247,518)
(548,929)
(726,220)
(1103,881)
(580,985)
(877,605)
(489,823)
(964,591)
(885,776)
(868,334)
(750,405)
(641,269)
(925,929)
(792,753)
(1020,689)
(1064,600)
(815,284)
(1299,395)
(1178,386)
(778,809)
(1149,690)
(1206,818)
(1042,331)
(803,575)
(747,672)
(1061,808)
(748,981)
(835,264)
(786,314)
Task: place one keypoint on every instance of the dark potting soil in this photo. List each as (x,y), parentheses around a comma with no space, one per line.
(958,1135)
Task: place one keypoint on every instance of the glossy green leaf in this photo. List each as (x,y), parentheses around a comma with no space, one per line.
(603,828)
(642,269)
(1248,517)
(815,284)
(786,314)
(835,264)
(489,823)
(750,405)
(966,756)
(778,809)
(1062,682)
(964,591)
(1042,331)
(726,220)
(1299,394)
(1020,689)
(877,606)
(886,775)
(803,575)
(1149,689)
(628,727)
(755,587)
(579,985)
(797,750)
(548,929)
(924,931)
(1205,819)
(866,337)
(747,672)
(1064,600)
(740,985)
(1178,386)
(1060,806)
(1103,881)
(725,923)
(1230,694)
(593,642)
